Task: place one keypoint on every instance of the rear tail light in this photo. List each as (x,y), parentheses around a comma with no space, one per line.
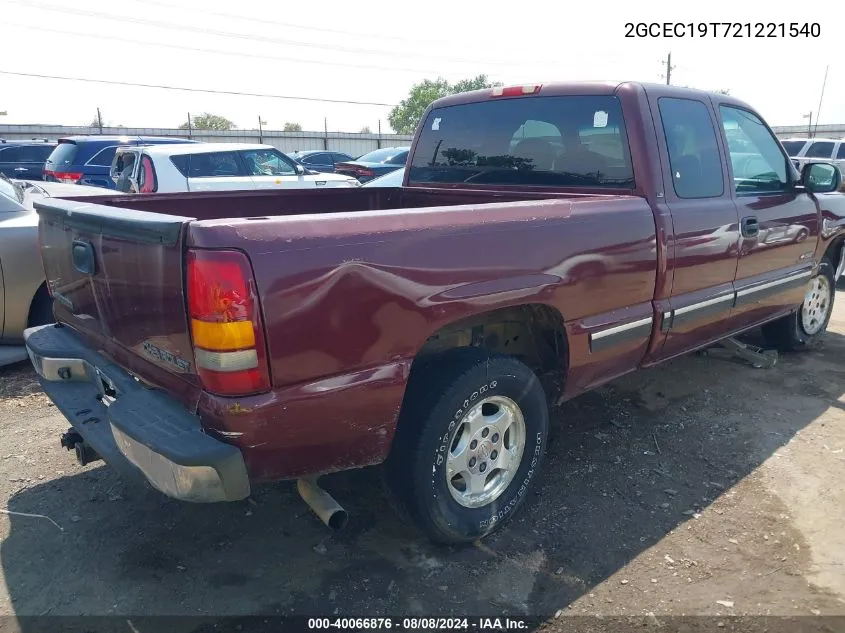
(226,326)
(69,177)
(355,170)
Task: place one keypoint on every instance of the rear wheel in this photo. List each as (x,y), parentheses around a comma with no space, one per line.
(470,440)
(805,328)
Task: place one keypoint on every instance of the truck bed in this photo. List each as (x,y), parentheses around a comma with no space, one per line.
(346,301)
(244,204)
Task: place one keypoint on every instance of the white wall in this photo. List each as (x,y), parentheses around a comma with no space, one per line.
(353,144)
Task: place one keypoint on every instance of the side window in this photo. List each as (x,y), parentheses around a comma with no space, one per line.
(147,176)
(214,165)
(342,158)
(820,149)
(180,162)
(693,148)
(761,168)
(11,155)
(317,159)
(104,157)
(841,152)
(266,162)
(34,153)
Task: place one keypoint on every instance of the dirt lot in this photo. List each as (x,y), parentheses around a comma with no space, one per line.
(703,487)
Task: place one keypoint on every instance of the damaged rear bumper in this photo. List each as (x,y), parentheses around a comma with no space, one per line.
(139,431)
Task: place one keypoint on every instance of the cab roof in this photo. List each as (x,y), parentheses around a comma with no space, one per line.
(591,88)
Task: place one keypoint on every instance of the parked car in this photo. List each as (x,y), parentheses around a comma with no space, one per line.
(214,167)
(393,179)
(804,150)
(24,159)
(86,160)
(319,160)
(24,301)
(374,164)
(266,335)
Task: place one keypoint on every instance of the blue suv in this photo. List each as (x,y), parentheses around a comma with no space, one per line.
(86,160)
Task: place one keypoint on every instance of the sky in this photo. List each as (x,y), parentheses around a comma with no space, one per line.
(372,52)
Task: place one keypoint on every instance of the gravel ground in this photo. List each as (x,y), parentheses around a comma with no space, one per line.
(703,487)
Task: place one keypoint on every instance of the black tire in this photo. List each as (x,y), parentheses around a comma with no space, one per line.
(41,308)
(788,333)
(439,394)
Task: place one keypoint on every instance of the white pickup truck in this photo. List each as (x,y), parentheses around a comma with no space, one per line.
(214,167)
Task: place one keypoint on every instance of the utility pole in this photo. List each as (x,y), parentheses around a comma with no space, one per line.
(260,130)
(669,69)
(99,120)
(189,127)
(325,133)
(809,124)
(818,111)
(378,142)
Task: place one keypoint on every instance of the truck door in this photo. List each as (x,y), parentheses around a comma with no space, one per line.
(779,225)
(124,169)
(702,252)
(270,169)
(217,171)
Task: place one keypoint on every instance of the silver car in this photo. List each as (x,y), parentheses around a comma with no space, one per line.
(24,300)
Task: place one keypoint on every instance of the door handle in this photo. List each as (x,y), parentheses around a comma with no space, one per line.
(749,226)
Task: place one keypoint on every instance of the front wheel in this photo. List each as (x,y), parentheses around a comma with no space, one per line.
(805,328)
(471,437)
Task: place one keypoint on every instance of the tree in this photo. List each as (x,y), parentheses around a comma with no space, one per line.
(366,130)
(405,116)
(292,127)
(724,91)
(208,121)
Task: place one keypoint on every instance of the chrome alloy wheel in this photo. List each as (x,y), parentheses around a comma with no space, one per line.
(485,451)
(816,304)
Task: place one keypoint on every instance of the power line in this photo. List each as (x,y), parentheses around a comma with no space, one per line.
(317,29)
(205,90)
(215,51)
(255,38)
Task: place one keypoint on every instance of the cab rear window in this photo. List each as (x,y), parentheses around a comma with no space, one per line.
(567,141)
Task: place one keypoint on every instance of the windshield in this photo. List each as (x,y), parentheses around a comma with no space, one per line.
(793,147)
(566,141)
(386,155)
(63,155)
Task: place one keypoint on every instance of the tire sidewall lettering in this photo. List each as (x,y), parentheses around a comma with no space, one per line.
(487,517)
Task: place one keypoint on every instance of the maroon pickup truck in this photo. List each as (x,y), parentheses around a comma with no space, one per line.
(546,239)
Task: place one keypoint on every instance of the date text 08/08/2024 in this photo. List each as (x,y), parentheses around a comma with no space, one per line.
(418,624)
(723,29)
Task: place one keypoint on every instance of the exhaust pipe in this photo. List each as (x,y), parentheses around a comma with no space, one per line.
(73,441)
(322,503)
(85,454)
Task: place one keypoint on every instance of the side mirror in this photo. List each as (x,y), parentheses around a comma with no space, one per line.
(300,170)
(821,177)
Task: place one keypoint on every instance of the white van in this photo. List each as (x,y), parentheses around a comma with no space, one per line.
(213,167)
